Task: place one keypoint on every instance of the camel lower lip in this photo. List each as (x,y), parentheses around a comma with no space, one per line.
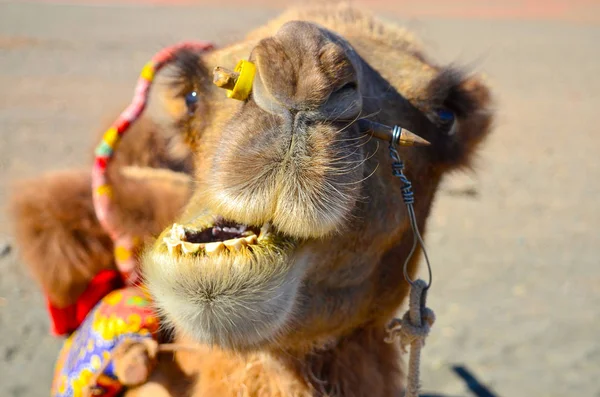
(225,297)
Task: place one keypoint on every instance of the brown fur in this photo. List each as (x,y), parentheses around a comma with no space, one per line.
(56,228)
(317,312)
(58,234)
(302,314)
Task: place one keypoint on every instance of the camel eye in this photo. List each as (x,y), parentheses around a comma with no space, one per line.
(445,116)
(191,101)
(446,120)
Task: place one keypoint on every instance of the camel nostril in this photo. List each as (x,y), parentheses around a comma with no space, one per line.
(351,86)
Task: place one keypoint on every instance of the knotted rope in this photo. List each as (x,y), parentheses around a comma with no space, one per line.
(413,328)
(104,205)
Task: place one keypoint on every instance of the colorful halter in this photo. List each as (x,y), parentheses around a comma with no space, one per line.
(125,246)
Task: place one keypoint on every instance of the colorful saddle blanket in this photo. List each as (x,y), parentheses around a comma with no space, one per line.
(122,314)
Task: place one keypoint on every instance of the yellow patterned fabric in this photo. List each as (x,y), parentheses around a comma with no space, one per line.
(123,314)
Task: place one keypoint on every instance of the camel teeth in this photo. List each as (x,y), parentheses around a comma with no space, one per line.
(235,244)
(251,239)
(214,248)
(171,244)
(178,231)
(171,241)
(190,248)
(173,248)
(264,230)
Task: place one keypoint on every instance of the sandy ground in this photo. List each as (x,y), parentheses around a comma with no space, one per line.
(514,248)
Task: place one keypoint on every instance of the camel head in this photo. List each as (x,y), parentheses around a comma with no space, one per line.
(296,232)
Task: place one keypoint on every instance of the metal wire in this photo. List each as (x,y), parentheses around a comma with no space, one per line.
(409,199)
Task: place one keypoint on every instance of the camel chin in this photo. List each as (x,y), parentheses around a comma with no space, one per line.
(223,283)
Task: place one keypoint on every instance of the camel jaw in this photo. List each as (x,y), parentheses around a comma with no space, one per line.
(223,283)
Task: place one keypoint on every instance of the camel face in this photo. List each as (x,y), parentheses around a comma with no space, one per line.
(296,230)
(288,157)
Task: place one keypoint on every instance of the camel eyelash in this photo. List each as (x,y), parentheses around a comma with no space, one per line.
(189,76)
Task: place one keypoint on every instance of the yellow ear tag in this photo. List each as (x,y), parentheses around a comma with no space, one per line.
(243,85)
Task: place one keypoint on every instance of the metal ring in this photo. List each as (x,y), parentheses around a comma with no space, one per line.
(396,133)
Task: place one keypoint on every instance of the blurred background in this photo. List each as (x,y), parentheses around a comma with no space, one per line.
(515,247)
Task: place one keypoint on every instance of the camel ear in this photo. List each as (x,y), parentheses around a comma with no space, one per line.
(179,96)
(461,106)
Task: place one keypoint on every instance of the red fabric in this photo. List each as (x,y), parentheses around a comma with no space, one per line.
(64,320)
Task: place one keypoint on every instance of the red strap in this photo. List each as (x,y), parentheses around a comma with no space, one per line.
(65,320)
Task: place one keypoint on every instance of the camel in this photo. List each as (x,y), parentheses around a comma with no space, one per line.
(282,261)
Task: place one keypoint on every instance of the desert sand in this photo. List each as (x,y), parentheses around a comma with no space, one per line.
(515,245)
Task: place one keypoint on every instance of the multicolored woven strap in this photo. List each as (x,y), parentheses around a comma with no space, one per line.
(126,245)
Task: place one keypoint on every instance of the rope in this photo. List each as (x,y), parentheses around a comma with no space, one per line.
(413,328)
(409,199)
(104,205)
